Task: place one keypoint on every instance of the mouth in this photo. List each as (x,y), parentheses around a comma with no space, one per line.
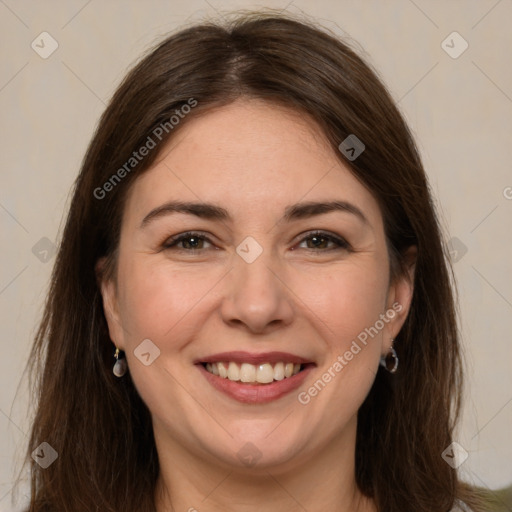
(255,378)
(247,373)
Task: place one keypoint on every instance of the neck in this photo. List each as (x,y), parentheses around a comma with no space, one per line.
(322,481)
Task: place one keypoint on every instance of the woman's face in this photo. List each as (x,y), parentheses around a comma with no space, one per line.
(268,280)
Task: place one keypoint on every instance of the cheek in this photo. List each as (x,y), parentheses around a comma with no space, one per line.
(347,304)
(155,299)
(347,300)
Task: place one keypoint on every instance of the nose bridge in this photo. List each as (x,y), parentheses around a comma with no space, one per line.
(257,297)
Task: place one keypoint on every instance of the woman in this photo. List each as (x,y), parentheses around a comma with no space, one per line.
(251,307)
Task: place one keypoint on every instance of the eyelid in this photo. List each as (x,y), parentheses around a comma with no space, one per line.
(170,242)
(339,241)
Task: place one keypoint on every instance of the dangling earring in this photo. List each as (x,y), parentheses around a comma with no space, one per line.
(390,360)
(120,365)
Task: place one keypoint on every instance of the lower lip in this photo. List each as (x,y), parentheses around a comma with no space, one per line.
(256,393)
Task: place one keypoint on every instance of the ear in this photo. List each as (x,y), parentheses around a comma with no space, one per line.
(399,299)
(108,291)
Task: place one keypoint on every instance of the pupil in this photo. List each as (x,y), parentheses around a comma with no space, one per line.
(194,240)
(317,240)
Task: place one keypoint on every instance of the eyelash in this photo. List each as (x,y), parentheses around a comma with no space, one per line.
(174,241)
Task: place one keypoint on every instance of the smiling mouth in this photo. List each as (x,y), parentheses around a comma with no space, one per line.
(247,373)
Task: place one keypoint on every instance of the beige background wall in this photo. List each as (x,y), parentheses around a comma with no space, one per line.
(459,108)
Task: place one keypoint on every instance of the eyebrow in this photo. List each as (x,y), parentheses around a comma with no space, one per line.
(212,211)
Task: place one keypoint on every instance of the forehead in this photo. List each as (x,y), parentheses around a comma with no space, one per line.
(253,157)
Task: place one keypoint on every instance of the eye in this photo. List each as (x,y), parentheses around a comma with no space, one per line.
(321,240)
(317,241)
(189,242)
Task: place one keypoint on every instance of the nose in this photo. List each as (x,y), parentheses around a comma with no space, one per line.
(257,297)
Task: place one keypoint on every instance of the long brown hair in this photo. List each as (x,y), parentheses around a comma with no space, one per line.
(98,424)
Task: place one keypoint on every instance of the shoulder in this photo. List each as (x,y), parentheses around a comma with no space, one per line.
(460,506)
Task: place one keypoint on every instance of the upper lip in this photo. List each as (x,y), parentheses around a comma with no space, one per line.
(239,356)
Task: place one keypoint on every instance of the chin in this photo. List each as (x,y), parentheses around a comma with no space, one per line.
(258,450)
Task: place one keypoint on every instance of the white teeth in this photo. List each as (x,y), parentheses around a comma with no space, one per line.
(263,373)
(223,371)
(247,372)
(279,371)
(233,371)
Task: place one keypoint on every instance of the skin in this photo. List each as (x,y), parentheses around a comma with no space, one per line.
(253,159)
